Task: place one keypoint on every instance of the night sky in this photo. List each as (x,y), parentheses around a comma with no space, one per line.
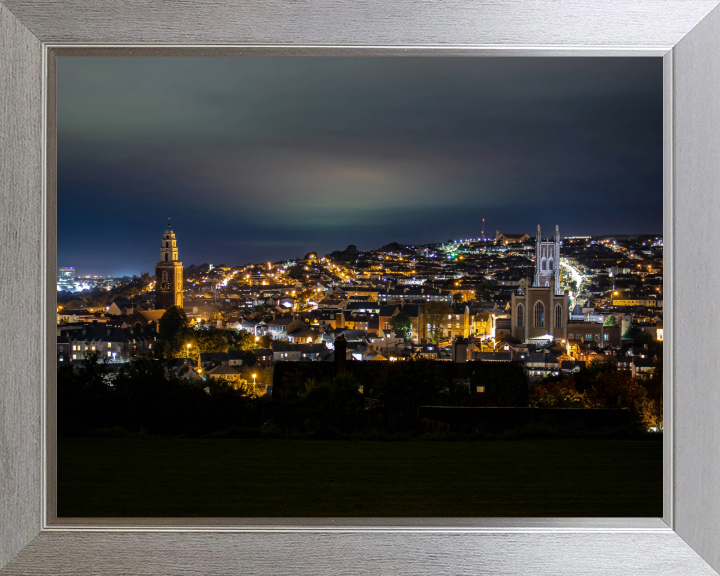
(260,159)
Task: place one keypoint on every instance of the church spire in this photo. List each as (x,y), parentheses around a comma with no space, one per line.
(168,246)
(168,273)
(547,261)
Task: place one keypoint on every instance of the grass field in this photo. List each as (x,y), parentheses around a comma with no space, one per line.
(155,477)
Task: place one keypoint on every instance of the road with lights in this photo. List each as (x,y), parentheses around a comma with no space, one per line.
(576,276)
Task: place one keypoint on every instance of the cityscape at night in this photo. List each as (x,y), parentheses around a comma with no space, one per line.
(305,272)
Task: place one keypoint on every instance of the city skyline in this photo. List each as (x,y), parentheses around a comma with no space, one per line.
(266,159)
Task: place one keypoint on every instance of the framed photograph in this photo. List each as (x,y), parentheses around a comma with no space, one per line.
(60,119)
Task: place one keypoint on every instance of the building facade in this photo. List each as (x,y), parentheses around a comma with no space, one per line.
(505,239)
(541,309)
(66,277)
(168,274)
(587,332)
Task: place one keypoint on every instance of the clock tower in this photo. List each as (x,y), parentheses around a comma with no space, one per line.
(168,274)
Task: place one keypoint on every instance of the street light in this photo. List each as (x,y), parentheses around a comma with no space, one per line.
(254,390)
(187,351)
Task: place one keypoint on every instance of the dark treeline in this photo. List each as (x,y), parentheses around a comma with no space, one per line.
(307,398)
(148,398)
(319,400)
(387,395)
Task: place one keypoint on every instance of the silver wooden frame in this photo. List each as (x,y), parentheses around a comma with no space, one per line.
(685,33)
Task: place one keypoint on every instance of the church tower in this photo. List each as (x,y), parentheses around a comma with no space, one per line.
(168,274)
(540,311)
(547,261)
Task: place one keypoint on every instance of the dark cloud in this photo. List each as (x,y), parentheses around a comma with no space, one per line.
(264,158)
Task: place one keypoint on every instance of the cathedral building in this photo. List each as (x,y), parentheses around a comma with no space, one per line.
(540,308)
(168,274)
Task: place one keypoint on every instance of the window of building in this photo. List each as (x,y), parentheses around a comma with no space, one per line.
(164,274)
(108,344)
(480,389)
(61,358)
(74,356)
(606,336)
(520,315)
(597,337)
(539,315)
(588,336)
(109,354)
(558,316)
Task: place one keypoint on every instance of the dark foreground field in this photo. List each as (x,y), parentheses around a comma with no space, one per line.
(154,477)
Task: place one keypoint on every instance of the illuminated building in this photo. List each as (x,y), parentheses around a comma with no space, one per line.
(66,276)
(547,261)
(505,239)
(541,310)
(169,274)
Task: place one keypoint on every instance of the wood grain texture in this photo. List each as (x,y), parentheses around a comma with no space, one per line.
(696,275)
(143,554)
(20,284)
(373,22)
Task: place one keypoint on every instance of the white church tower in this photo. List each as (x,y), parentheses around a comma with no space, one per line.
(547,261)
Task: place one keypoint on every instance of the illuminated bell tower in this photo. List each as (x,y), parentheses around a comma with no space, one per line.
(547,261)
(168,274)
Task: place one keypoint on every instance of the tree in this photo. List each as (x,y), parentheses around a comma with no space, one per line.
(630,331)
(242,340)
(249,358)
(559,394)
(93,371)
(402,323)
(600,385)
(610,321)
(173,322)
(484,293)
(436,318)
(210,339)
(259,308)
(653,384)
(637,334)
(614,389)
(265,341)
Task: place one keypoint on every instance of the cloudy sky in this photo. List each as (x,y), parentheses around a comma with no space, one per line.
(267,158)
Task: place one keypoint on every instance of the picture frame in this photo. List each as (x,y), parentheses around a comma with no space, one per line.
(685,33)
